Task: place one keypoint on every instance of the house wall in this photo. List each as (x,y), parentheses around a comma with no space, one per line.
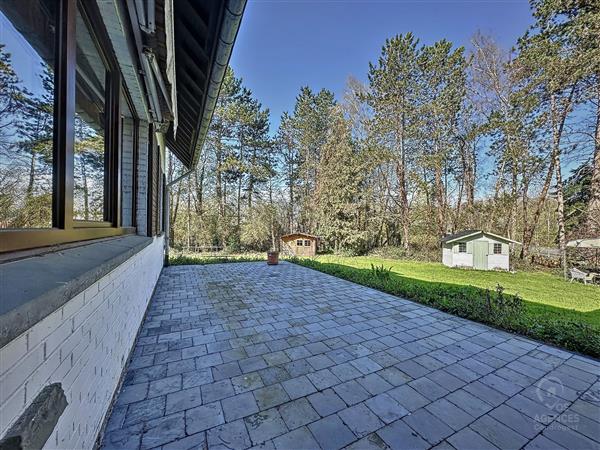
(84,345)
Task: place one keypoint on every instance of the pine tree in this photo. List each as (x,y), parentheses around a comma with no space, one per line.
(340,181)
(443,88)
(394,93)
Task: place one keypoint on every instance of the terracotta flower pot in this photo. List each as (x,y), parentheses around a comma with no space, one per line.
(272,258)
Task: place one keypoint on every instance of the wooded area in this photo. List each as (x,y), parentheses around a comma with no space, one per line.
(441,138)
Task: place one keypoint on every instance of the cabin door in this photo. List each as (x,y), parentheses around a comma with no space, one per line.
(480,254)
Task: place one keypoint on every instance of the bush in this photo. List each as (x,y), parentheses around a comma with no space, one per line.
(179,260)
(381,272)
(495,308)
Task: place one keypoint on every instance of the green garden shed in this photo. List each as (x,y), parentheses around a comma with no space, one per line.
(477,249)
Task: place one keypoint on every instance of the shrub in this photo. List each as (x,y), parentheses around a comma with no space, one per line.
(178,260)
(381,272)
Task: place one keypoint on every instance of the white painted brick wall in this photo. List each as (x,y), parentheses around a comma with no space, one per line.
(84,346)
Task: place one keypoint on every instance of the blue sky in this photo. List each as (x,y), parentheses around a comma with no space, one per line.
(284,44)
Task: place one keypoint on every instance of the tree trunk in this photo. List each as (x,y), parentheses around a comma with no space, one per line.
(470,178)
(31,183)
(219,179)
(200,192)
(402,189)
(593,215)
(239,188)
(529,228)
(251,180)
(440,197)
(173,212)
(403,198)
(189,214)
(558,122)
(560,215)
(514,203)
(239,203)
(274,245)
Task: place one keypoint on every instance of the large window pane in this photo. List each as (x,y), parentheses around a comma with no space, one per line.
(26,112)
(89,127)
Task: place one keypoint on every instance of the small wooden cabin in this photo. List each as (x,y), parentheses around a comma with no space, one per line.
(299,244)
(477,249)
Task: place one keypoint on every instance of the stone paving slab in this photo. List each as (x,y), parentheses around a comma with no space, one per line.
(245,355)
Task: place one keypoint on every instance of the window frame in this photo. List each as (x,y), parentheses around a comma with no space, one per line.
(307,242)
(497,245)
(462,245)
(299,243)
(64,227)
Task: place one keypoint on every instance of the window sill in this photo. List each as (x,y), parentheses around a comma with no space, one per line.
(33,288)
(12,240)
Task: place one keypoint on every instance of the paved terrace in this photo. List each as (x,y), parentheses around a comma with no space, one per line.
(242,355)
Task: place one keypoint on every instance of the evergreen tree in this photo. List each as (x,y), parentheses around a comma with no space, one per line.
(310,124)
(443,78)
(340,181)
(394,93)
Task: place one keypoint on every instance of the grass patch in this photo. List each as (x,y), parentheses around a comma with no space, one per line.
(533,304)
(191,259)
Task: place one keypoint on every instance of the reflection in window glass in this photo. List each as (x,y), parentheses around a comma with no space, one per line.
(89,127)
(26,113)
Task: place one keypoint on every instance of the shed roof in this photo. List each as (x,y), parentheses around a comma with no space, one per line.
(293,235)
(472,233)
(585,243)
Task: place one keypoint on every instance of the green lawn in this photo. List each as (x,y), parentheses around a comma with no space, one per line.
(534,287)
(551,310)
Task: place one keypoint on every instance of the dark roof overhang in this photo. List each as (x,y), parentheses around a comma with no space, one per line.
(205,32)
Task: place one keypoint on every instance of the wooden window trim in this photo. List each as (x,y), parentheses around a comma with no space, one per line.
(64,228)
(499,252)
(461,245)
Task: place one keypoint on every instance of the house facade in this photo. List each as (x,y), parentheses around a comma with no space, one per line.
(93,94)
(476,249)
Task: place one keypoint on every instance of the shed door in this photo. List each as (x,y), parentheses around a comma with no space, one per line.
(480,253)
